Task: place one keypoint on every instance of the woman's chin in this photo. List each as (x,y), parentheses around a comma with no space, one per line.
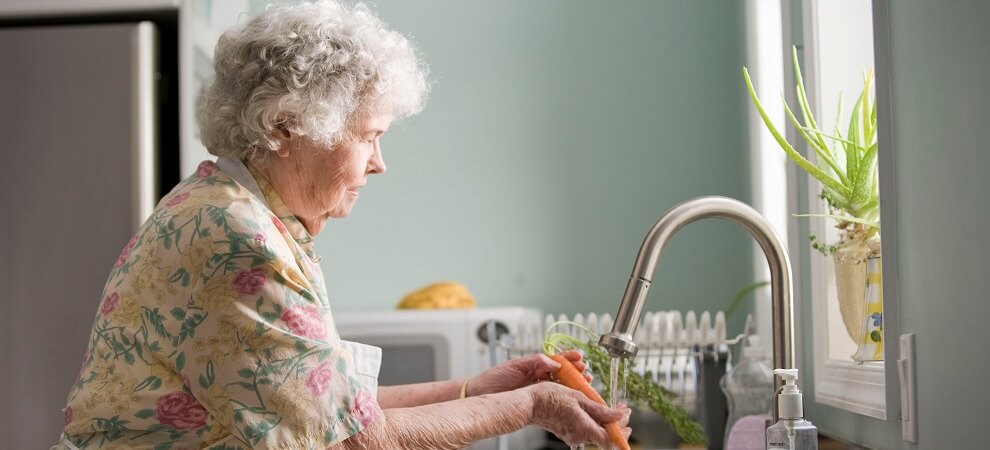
(322,221)
(315,226)
(342,210)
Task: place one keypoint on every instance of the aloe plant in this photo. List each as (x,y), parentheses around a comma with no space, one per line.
(846,165)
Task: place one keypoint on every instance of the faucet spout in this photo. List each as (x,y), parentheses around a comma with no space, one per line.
(619,342)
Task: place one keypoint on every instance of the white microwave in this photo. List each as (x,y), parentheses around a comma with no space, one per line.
(429,345)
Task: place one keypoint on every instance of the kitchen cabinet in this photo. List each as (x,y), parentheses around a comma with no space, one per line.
(930,81)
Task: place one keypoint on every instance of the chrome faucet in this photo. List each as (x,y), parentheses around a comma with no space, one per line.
(619,342)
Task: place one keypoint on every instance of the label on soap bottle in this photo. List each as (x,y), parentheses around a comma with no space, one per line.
(777,443)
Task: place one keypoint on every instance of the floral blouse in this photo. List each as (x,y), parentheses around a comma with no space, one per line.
(215,332)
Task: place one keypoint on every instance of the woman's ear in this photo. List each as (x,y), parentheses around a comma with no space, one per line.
(284,137)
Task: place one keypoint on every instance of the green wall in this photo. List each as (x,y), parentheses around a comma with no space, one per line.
(557,133)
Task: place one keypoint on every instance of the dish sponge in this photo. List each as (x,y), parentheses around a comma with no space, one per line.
(443,295)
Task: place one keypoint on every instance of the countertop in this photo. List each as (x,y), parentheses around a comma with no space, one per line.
(824,443)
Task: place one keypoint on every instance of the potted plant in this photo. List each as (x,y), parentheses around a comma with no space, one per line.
(846,167)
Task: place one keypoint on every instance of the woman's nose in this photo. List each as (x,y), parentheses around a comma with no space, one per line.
(377,162)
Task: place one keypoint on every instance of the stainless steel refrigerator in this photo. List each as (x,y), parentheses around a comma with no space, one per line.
(81,123)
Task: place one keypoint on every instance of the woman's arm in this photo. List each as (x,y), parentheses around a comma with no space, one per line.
(419,394)
(451,425)
(457,424)
(512,374)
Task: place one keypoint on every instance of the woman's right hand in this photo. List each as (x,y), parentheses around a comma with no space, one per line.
(573,417)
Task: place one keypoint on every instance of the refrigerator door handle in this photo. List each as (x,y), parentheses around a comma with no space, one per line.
(144,133)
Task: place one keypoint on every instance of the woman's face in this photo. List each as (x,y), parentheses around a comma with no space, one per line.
(317,183)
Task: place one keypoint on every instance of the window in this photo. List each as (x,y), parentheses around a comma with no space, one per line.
(838,38)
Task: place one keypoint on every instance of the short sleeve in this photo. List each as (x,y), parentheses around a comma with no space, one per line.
(257,347)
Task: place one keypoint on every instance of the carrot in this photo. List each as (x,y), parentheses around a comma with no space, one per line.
(569,376)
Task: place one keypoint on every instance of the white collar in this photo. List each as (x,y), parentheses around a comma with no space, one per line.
(239,172)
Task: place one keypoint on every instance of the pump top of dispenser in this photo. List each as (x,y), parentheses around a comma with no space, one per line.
(790,403)
(789,376)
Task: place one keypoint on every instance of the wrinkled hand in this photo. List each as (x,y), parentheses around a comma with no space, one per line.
(520,372)
(573,417)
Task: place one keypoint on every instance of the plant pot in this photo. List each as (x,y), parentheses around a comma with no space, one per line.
(870,337)
(850,284)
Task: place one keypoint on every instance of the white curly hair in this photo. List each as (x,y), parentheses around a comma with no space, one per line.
(310,68)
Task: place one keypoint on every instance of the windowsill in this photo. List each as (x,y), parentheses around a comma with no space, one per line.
(854,387)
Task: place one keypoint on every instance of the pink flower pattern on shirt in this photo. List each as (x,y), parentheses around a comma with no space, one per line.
(279,225)
(177,198)
(180,410)
(126,252)
(319,378)
(305,321)
(249,282)
(365,408)
(109,304)
(205,169)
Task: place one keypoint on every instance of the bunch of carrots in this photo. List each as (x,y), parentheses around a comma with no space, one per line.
(569,376)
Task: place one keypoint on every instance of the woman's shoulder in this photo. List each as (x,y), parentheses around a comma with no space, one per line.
(205,215)
(212,191)
(209,203)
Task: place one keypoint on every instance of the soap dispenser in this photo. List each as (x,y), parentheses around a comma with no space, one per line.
(748,389)
(791,432)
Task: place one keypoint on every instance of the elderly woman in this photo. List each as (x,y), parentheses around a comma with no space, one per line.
(215,328)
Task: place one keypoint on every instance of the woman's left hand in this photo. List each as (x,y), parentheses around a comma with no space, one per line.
(520,372)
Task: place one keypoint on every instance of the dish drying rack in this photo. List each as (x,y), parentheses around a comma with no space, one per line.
(677,348)
(684,352)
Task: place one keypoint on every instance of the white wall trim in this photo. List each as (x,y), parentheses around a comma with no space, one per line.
(764,39)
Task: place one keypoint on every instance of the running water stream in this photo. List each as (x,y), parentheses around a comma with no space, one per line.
(613,382)
(614,393)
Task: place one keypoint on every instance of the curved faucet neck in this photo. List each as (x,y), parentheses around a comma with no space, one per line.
(619,341)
